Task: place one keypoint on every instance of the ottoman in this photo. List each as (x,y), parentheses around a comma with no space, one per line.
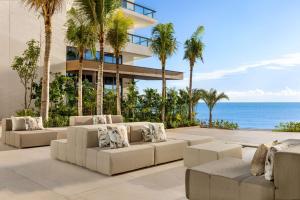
(191,139)
(203,153)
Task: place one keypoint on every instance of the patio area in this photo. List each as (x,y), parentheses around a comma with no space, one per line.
(32,174)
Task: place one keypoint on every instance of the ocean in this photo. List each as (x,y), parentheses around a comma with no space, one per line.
(252,115)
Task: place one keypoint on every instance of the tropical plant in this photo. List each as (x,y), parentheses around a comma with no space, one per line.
(211,98)
(89,94)
(163,45)
(47,9)
(220,124)
(99,12)
(81,35)
(193,50)
(117,37)
(26,67)
(131,102)
(288,127)
(150,105)
(109,102)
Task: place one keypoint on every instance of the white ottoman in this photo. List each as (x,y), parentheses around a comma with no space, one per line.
(203,153)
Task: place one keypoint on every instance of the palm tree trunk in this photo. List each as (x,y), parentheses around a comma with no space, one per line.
(80,83)
(118,85)
(46,70)
(100,76)
(210,118)
(190,93)
(164,93)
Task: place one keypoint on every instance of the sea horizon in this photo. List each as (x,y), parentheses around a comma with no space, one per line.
(252,115)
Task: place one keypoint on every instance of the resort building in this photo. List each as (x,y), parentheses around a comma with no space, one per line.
(19,25)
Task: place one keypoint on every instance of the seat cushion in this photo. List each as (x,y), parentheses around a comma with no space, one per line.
(115,161)
(206,181)
(256,188)
(58,149)
(24,139)
(207,152)
(168,151)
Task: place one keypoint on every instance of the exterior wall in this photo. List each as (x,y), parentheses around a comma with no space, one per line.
(17,26)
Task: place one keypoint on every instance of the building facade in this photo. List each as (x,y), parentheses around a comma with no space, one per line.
(19,25)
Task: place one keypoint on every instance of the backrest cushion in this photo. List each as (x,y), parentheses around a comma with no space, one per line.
(136,132)
(99,119)
(117,119)
(6,124)
(258,161)
(81,120)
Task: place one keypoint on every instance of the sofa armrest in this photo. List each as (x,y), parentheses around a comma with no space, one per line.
(287,173)
(6,125)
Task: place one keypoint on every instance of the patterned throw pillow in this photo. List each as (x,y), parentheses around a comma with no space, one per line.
(34,123)
(154,133)
(258,161)
(99,119)
(108,119)
(118,136)
(103,137)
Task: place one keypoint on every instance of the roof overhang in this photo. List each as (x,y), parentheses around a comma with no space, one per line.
(126,71)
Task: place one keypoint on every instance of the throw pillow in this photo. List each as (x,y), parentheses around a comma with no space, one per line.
(118,136)
(18,123)
(154,132)
(99,119)
(103,137)
(108,119)
(34,123)
(269,165)
(258,161)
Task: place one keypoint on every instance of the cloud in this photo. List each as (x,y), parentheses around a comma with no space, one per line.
(257,95)
(285,61)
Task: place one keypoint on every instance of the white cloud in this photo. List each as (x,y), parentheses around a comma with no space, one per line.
(257,95)
(285,61)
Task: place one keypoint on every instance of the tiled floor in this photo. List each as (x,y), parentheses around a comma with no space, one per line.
(32,174)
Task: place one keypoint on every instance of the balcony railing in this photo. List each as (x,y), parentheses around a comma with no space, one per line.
(138,8)
(139,40)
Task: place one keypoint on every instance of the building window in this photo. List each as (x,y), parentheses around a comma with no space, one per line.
(108,57)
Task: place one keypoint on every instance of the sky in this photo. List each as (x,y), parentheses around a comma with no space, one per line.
(252,47)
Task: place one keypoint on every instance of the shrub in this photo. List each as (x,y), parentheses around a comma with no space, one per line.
(288,127)
(220,124)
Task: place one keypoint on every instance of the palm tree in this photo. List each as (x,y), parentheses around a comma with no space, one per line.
(46,8)
(117,37)
(81,35)
(163,45)
(211,98)
(99,12)
(193,50)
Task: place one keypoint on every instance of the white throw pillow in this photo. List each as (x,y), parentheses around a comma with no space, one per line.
(99,119)
(18,123)
(154,132)
(34,123)
(118,136)
(103,137)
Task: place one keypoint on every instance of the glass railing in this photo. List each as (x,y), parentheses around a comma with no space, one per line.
(138,8)
(139,40)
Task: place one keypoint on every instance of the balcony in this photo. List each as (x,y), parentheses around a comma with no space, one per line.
(138,8)
(139,40)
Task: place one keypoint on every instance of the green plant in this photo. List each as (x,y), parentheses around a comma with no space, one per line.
(109,102)
(130,103)
(288,127)
(81,35)
(89,98)
(26,112)
(117,37)
(220,124)
(150,103)
(46,8)
(99,12)
(211,98)
(26,67)
(163,45)
(193,50)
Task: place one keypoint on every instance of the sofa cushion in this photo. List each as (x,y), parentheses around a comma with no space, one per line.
(18,123)
(258,161)
(117,119)
(218,179)
(103,137)
(118,136)
(99,119)
(34,123)
(154,132)
(108,119)
(81,120)
(115,161)
(168,151)
(256,188)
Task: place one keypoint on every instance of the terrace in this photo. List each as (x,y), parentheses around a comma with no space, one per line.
(138,8)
